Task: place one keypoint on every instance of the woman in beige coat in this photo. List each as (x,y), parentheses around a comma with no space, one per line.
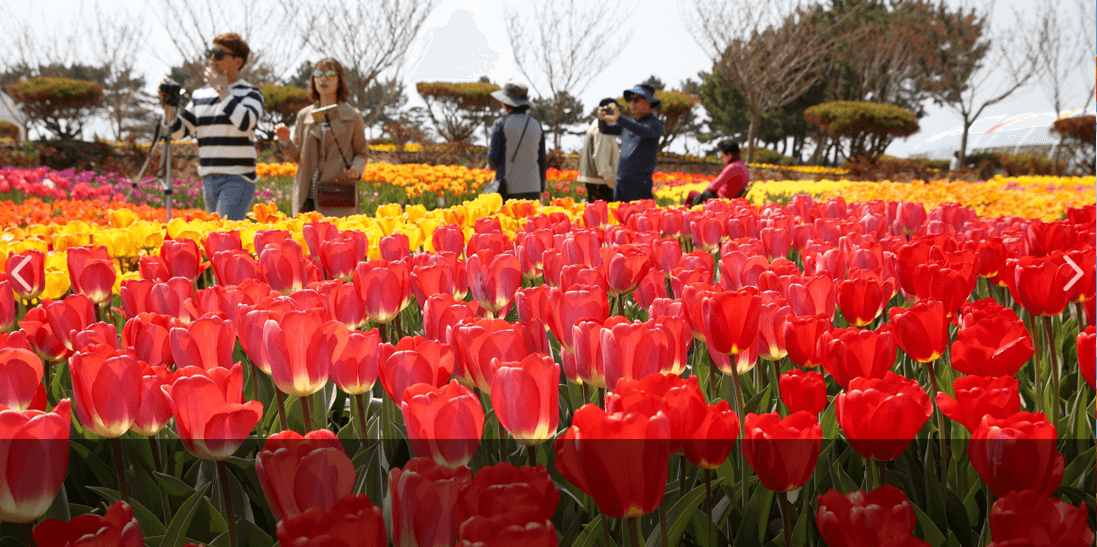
(337,146)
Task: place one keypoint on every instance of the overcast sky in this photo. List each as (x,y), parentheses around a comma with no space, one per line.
(462,40)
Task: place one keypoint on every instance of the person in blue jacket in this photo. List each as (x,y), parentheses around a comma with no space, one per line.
(639,142)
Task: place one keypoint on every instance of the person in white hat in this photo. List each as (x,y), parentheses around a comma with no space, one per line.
(517,148)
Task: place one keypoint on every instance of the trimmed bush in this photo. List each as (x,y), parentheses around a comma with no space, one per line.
(867,127)
(60,105)
(9,130)
(463,107)
(281,103)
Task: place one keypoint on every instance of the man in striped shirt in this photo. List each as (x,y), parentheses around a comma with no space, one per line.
(223,116)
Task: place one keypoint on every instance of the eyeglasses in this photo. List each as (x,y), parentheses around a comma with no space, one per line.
(636,98)
(331,74)
(217,53)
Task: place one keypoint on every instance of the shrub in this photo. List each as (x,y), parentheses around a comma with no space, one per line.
(1079,133)
(60,105)
(772,157)
(462,107)
(867,128)
(1028,164)
(9,130)
(281,104)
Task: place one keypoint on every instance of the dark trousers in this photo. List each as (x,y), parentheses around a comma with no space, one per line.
(633,190)
(598,192)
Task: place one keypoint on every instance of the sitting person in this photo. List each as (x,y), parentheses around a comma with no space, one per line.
(732,182)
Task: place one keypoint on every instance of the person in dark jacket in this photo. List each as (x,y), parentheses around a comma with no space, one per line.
(639,142)
(517,148)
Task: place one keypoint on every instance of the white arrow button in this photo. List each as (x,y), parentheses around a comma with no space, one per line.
(15,273)
(1077,276)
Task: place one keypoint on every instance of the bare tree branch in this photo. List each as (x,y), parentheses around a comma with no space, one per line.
(560,46)
(1087,20)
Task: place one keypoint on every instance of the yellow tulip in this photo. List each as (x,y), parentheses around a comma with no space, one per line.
(122,218)
(57,284)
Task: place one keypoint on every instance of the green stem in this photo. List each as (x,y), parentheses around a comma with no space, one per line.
(940,421)
(306,412)
(230,518)
(663,533)
(1055,372)
(531,451)
(634,531)
(1036,363)
(361,402)
(738,399)
(682,477)
(120,469)
(1080,312)
(605,529)
(28,534)
(883,472)
(711,379)
(586,393)
(502,442)
(708,504)
(46,379)
(786,519)
(602,397)
(281,409)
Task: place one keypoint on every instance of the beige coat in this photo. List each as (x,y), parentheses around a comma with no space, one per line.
(348,128)
(599,158)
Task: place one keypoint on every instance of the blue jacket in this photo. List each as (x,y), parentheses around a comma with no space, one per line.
(527,164)
(639,143)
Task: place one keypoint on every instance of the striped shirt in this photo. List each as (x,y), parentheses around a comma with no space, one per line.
(225,129)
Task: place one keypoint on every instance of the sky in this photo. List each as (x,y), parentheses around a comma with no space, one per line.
(464,39)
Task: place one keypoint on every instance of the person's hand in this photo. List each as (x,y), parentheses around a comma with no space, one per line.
(281,132)
(353,173)
(217,81)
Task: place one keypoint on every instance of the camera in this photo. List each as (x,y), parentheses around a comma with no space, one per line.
(607,110)
(172,90)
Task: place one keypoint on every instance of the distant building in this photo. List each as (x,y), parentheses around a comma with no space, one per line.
(1027,133)
(10,112)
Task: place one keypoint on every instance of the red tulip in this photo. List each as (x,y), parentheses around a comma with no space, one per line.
(424,508)
(394,247)
(711,442)
(516,527)
(148,335)
(813,296)
(412,361)
(857,519)
(581,247)
(181,258)
(1032,518)
(587,364)
(210,415)
(782,452)
(118,528)
(863,297)
(352,522)
(155,410)
(1087,363)
(478,341)
(881,416)
(107,389)
(626,265)
(448,238)
(355,370)
(978,396)
(20,377)
(951,284)
(802,335)
(216,242)
(1038,284)
(300,349)
(502,488)
(282,266)
(30,267)
(70,316)
(1016,453)
(526,398)
(205,343)
(995,345)
(621,460)
(851,352)
(298,472)
(384,287)
(680,400)
(921,330)
(153,268)
(34,455)
(771,330)
(567,306)
(168,298)
(730,320)
(909,217)
(442,311)
(634,350)
(340,255)
(234,266)
(803,391)
(433,277)
(443,423)
(91,272)
(739,269)
(7,306)
(493,280)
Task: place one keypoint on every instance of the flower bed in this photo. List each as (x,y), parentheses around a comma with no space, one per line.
(494,374)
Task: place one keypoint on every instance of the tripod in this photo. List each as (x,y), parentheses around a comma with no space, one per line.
(163,175)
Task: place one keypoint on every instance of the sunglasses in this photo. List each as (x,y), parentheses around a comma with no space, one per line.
(217,54)
(331,74)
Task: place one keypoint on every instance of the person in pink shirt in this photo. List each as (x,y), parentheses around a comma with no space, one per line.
(731,183)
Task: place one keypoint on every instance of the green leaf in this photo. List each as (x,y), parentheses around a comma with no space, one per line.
(829,421)
(248,534)
(1073,473)
(592,534)
(930,532)
(756,514)
(150,524)
(754,402)
(176,533)
(679,516)
(172,485)
(957,519)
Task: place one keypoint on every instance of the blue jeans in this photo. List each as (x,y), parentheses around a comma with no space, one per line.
(228,195)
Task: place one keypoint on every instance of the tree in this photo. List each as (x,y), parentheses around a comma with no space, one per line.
(458,109)
(675,113)
(61,105)
(867,127)
(370,39)
(769,54)
(302,77)
(281,103)
(1056,49)
(971,69)
(561,45)
(1086,20)
(556,119)
(382,101)
(114,39)
(1078,133)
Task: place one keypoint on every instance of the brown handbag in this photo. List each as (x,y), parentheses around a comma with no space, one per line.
(338,192)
